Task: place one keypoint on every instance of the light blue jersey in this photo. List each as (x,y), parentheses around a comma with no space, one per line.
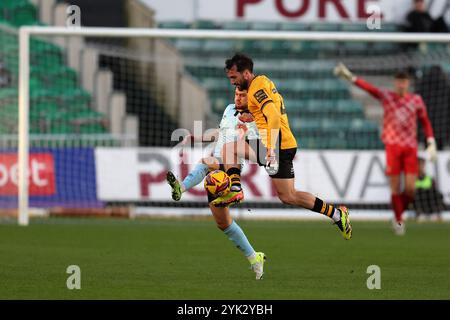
(229,133)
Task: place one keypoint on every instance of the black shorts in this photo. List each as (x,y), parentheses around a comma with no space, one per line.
(285,159)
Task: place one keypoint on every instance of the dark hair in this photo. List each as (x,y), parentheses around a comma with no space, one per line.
(241,61)
(404,75)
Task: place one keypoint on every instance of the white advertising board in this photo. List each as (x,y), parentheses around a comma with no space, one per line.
(285,10)
(138,174)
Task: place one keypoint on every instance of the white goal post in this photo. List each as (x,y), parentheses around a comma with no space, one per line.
(24,67)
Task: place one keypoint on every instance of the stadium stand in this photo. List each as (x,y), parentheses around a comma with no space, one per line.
(58,105)
(292,66)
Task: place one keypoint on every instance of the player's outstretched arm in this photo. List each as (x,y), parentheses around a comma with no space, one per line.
(343,72)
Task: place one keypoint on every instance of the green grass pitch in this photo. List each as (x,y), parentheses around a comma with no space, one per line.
(192,259)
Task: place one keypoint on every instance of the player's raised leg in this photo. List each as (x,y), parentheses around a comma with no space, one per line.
(289,195)
(195,176)
(231,153)
(234,232)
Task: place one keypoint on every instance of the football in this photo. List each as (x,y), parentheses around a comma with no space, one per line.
(217,183)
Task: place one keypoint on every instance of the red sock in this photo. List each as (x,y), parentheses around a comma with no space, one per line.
(397,206)
(406,200)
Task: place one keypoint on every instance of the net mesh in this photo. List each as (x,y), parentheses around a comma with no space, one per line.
(94,102)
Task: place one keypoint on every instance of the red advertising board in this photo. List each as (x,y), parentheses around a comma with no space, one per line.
(41,174)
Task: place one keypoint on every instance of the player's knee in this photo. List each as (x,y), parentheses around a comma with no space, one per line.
(395,189)
(222,225)
(286,197)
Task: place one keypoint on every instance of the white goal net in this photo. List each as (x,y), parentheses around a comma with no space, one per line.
(94,112)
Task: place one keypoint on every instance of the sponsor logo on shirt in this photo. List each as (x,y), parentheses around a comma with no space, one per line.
(260,95)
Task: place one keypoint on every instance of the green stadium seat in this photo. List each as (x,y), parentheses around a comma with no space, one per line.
(57,104)
(384,47)
(74,99)
(189,45)
(388,27)
(298,47)
(222,46)
(10,112)
(264,26)
(296,107)
(363,125)
(38,111)
(8,95)
(324,47)
(60,77)
(45,53)
(85,114)
(60,128)
(174,25)
(269,46)
(446,68)
(219,104)
(321,107)
(354,48)
(354,27)
(236,25)
(293,26)
(245,46)
(35,83)
(10,4)
(93,128)
(18,12)
(437,47)
(306,125)
(216,83)
(330,27)
(24,15)
(350,107)
(205,24)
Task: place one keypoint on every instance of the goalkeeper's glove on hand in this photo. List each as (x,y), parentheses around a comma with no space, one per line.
(431,149)
(342,71)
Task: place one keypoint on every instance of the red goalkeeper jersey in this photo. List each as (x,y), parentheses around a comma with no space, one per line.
(400,115)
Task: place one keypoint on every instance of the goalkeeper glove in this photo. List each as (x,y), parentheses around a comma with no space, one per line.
(431,149)
(342,71)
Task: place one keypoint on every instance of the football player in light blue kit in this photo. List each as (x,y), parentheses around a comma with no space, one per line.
(236,124)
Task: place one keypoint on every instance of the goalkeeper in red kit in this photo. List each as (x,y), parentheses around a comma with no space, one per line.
(401,110)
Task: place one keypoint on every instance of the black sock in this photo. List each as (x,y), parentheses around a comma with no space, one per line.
(235,177)
(323,208)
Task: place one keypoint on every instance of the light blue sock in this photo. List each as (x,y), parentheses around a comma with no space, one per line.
(195,176)
(235,234)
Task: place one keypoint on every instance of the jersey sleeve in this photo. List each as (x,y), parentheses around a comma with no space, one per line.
(423,117)
(261,94)
(370,88)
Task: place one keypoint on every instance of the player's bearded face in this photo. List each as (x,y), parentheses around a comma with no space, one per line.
(237,78)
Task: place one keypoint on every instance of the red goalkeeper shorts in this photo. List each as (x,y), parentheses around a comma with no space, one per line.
(401,159)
